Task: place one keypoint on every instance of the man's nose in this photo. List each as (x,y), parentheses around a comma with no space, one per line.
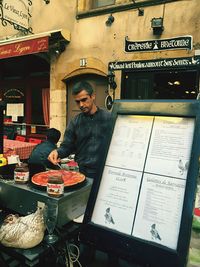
(81,104)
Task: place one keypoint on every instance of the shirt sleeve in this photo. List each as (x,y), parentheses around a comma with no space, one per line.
(67,147)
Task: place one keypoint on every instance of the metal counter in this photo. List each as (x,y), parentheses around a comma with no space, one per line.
(23,199)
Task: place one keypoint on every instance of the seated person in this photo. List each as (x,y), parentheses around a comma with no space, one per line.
(38,160)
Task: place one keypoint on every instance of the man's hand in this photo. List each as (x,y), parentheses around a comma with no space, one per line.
(53,157)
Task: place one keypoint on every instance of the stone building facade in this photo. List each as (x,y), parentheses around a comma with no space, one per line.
(131,49)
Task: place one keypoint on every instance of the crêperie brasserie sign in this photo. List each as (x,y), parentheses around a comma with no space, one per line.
(184,42)
(155,64)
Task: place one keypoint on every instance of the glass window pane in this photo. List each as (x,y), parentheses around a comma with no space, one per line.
(101,3)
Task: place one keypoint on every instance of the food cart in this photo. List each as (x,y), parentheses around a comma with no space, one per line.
(142,207)
(23,199)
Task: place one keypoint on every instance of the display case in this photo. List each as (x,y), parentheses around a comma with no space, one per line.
(142,207)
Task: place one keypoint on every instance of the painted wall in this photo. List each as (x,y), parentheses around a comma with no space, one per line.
(49,17)
(99,44)
(92,38)
(44,17)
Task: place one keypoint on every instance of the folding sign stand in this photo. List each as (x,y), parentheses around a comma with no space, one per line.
(142,207)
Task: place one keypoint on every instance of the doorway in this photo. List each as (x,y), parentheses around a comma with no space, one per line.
(27,75)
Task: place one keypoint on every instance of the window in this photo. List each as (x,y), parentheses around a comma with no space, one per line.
(37,111)
(91,8)
(160,85)
(101,3)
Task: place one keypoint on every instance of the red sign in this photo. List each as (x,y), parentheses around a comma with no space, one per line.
(24,47)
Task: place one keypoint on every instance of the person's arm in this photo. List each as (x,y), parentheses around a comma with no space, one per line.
(67,147)
(53,157)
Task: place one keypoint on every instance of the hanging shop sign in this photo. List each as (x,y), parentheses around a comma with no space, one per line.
(16,13)
(184,42)
(155,64)
(24,47)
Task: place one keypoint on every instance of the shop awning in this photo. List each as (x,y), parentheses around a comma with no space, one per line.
(35,43)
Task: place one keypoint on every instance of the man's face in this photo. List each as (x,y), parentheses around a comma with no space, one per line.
(85,102)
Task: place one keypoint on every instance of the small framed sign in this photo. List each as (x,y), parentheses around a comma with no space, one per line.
(108,102)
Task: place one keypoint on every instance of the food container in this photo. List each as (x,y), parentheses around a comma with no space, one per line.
(21,173)
(55,186)
(70,166)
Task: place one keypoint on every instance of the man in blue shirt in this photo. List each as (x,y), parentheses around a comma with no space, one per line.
(86,134)
(86,137)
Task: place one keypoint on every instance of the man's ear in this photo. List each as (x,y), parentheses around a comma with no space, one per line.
(93,96)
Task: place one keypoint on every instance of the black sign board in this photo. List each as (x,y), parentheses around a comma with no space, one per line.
(163,63)
(184,42)
(141,209)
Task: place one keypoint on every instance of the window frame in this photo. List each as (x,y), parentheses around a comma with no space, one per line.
(86,9)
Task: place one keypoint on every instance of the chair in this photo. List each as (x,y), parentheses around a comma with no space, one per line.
(9,132)
(5,137)
(20,138)
(35,140)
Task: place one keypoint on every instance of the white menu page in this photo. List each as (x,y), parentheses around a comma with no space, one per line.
(170,146)
(159,210)
(117,196)
(129,142)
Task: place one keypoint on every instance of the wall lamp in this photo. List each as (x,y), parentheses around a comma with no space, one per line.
(140,11)
(110,20)
(111,79)
(57,48)
(157,25)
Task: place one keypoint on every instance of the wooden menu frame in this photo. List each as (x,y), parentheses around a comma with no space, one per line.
(142,207)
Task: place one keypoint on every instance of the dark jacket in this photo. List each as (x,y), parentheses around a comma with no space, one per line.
(85,137)
(40,154)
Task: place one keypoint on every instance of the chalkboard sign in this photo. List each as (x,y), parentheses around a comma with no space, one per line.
(142,207)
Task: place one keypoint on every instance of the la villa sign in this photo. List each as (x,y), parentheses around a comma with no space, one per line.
(16,12)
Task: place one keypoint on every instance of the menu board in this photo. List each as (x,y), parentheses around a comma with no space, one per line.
(144,178)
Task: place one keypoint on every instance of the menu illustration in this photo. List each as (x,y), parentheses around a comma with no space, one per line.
(118,194)
(143,183)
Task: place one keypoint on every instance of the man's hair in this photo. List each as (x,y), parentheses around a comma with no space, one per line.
(53,135)
(80,86)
